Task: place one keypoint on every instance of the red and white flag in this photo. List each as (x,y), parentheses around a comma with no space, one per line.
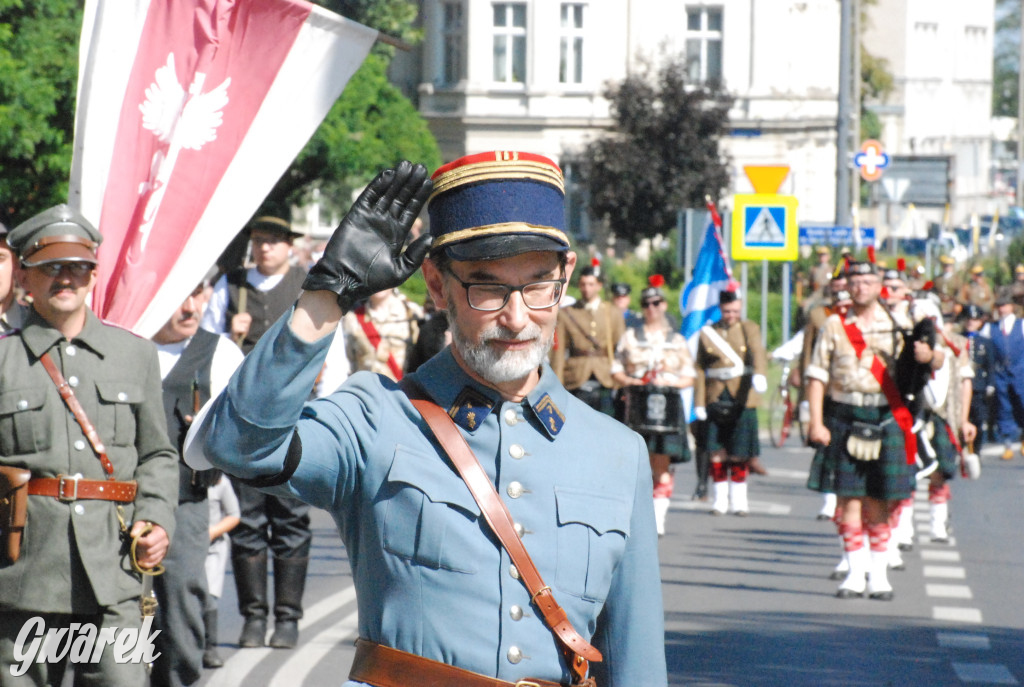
(188,113)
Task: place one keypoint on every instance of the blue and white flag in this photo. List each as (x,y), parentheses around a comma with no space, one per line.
(699,302)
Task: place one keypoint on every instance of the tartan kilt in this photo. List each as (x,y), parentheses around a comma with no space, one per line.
(833,470)
(676,445)
(737,438)
(945,450)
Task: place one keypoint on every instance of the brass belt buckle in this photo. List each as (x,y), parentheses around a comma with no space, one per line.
(526,683)
(64,479)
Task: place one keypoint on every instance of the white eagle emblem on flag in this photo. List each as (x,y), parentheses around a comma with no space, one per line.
(183,120)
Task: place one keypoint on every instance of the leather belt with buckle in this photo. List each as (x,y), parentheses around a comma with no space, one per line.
(69,488)
(382,666)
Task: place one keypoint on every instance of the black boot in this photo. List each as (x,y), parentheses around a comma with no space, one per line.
(289,584)
(703,465)
(211,659)
(251,583)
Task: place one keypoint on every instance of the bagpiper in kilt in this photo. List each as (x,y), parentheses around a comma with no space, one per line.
(864,426)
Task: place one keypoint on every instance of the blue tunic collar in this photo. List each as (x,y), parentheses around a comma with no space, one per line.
(469,403)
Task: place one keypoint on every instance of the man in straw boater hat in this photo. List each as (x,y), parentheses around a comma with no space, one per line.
(546,476)
(84,450)
(862,426)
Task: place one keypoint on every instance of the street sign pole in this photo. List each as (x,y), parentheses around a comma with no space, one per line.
(785,301)
(764,303)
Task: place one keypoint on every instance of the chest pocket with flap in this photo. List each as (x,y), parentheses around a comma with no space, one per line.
(117,403)
(592,532)
(25,425)
(431,517)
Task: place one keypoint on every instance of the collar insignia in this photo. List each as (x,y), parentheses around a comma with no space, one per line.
(550,416)
(470,409)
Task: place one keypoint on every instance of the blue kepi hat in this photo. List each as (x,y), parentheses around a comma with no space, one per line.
(496,205)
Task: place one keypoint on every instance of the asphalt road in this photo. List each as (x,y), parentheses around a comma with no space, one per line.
(748,601)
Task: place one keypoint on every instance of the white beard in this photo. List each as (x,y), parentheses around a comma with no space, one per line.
(495,367)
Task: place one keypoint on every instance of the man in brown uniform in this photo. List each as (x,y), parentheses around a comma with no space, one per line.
(978,291)
(585,340)
(731,364)
(822,272)
(947,285)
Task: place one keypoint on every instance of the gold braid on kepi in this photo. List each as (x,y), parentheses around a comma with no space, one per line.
(497,204)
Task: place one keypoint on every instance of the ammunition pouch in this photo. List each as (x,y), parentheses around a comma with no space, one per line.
(13,511)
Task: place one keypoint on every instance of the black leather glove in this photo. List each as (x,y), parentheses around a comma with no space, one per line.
(364,255)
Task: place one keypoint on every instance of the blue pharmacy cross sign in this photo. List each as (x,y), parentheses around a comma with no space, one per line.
(764,226)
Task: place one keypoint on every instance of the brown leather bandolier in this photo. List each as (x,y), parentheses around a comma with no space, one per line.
(65,488)
(577,651)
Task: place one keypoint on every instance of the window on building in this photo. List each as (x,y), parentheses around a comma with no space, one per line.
(510,42)
(704,43)
(570,67)
(453,30)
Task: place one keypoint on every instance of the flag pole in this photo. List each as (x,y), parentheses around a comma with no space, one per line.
(716,220)
(394,42)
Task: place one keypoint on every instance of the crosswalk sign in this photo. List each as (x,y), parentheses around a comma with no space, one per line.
(764,227)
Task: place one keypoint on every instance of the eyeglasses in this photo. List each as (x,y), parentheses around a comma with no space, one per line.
(651,304)
(272,239)
(77,269)
(537,295)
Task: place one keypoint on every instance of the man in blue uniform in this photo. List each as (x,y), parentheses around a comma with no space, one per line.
(576,483)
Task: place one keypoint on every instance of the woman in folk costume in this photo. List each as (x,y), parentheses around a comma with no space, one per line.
(731,364)
(656,355)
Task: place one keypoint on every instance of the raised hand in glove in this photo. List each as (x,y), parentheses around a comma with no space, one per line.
(365,255)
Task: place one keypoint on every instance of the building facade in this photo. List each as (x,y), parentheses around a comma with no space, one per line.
(529,74)
(940,55)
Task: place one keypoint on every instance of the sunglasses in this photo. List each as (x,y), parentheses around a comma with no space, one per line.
(78,269)
(651,304)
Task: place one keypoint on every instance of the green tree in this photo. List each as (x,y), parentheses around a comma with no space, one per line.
(662,152)
(38,77)
(371,126)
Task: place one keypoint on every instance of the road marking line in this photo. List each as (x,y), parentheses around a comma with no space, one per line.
(956,614)
(940,555)
(990,673)
(800,475)
(947,571)
(236,669)
(302,662)
(963,640)
(922,517)
(949,591)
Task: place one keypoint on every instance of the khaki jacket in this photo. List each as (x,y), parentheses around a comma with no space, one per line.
(745,339)
(72,555)
(585,342)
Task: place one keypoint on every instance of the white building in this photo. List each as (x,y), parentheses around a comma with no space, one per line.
(529,74)
(940,54)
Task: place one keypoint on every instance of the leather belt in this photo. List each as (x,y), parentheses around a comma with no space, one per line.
(382,666)
(724,374)
(859,399)
(67,488)
(589,354)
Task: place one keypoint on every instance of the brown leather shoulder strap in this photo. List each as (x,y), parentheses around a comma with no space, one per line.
(64,389)
(579,651)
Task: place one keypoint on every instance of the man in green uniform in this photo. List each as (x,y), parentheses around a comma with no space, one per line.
(100,509)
